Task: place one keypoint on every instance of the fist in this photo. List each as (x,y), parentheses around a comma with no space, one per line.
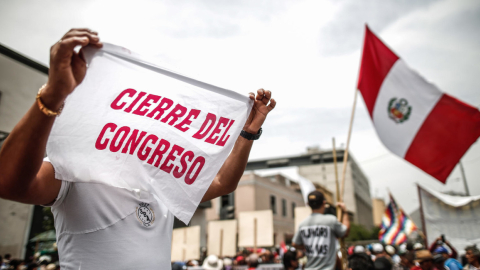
(67,67)
(262,105)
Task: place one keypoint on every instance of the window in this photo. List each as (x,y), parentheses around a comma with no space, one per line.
(293,210)
(284,207)
(273,204)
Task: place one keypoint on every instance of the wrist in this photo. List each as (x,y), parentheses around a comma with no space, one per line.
(52,98)
(251,131)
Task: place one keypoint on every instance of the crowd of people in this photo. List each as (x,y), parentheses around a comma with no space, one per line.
(441,255)
(36,262)
(376,256)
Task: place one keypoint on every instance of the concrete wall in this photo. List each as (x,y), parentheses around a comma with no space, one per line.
(253,194)
(19,85)
(199,219)
(263,188)
(378,210)
(15,219)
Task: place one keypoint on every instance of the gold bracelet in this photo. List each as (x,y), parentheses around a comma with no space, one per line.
(42,106)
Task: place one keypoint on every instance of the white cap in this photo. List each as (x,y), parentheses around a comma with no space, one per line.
(377,248)
(359,249)
(390,250)
(417,246)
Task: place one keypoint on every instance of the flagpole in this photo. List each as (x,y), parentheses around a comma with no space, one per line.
(339,211)
(467,191)
(345,154)
(422,216)
(406,214)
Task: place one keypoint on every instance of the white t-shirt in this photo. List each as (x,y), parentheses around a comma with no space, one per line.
(103,227)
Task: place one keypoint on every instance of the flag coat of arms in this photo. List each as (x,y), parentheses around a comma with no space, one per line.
(396,226)
(412,117)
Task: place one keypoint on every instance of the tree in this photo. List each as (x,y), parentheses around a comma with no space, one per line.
(359,232)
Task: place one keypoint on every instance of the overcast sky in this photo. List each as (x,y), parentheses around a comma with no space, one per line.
(306,52)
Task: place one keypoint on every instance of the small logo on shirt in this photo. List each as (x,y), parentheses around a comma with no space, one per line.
(145,214)
(399,110)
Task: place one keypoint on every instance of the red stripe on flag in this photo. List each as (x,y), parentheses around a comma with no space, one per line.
(377,60)
(447,133)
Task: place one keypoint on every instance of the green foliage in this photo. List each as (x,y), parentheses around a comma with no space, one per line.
(359,232)
(47,223)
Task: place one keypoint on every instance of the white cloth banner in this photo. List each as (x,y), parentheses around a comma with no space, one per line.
(131,124)
(457,217)
(306,186)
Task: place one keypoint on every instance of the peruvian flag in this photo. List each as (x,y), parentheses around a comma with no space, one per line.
(412,117)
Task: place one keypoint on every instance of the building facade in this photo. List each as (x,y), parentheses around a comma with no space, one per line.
(378,211)
(318,166)
(20,79)
(256,193)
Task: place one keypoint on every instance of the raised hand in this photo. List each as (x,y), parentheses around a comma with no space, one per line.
(67,67)
(263,104)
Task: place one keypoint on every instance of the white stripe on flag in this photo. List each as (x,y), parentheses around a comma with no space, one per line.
(419,98)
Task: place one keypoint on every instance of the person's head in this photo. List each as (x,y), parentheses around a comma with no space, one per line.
(382,263)
(438,261)
(290,260)
(212,263)
(33,266)
(425,259)
(359,249)
(377,249)
(7,256)
(442,251)
(192,263)
(240,260)
(252,260)
(360,261)
(406,258)
(390,250)
(316,200)
(15,264)
(417,246)
(472,254)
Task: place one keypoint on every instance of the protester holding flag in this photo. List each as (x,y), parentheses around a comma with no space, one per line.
(99,226)
(438,243)
(318,233)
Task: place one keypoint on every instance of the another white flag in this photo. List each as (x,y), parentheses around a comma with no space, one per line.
(306,186)
(133,125)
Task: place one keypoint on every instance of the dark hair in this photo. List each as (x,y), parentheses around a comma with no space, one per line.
(474,250)
(252,263)
(360,261)
(32,266)
(315,199)
(15,263)
(438,258)
(382,263)
(288,257)
(7,256)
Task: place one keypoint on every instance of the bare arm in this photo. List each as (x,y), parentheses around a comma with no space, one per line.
(345,218)
(23,175)
(227,179)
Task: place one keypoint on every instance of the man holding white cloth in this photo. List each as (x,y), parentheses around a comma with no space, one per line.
(99,226)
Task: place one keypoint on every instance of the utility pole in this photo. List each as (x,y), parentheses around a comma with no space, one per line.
(467,191)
